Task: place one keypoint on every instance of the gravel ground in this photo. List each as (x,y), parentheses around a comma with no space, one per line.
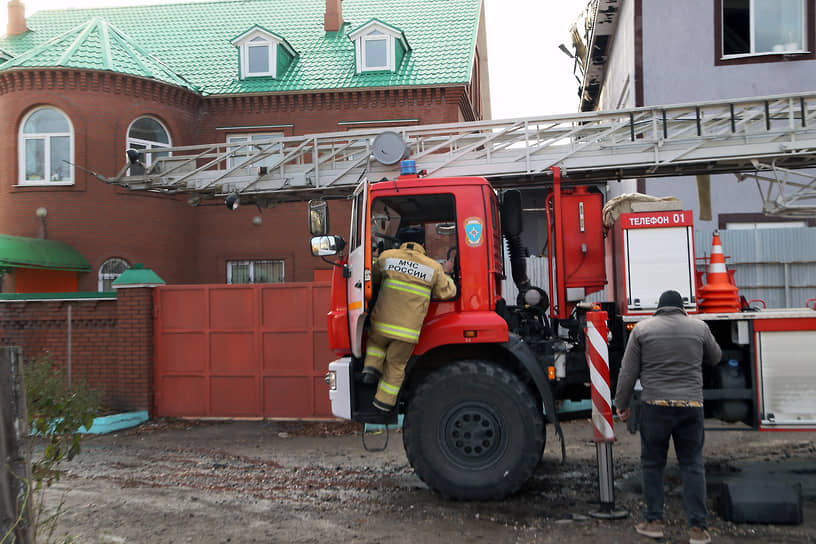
(179,481)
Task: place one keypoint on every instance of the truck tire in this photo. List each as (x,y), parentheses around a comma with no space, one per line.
(474,431)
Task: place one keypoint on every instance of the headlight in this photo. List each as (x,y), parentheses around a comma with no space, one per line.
(331,380)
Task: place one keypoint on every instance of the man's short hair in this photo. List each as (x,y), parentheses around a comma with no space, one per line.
(670,298)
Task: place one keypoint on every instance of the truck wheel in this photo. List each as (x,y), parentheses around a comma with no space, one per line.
(474,431)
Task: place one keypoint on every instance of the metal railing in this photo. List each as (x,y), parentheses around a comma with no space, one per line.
(684,139)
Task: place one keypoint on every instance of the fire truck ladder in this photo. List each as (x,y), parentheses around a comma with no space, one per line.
(774,133)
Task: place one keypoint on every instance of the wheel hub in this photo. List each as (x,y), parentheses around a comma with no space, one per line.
(472,435)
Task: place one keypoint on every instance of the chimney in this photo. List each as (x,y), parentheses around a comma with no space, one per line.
(16,18)
(332,20)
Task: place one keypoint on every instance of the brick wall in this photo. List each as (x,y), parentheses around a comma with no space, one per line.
(111,341)
(180,243)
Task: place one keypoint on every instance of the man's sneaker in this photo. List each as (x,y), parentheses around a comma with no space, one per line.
(698,535)
(652,529)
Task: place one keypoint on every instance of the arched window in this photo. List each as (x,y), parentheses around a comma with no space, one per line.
(46,148)
(147,133)
(109,271)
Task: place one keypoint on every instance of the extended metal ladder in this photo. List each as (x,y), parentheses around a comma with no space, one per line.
(736,136)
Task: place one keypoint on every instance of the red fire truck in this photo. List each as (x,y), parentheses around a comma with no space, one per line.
(489,374)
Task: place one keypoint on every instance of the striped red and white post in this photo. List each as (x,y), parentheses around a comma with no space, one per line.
(597,354)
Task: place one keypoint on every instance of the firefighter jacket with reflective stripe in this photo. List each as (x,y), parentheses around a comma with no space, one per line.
(407,279)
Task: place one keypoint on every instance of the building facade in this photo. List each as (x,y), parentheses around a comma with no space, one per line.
(661,52)
(79,87)
(638,53)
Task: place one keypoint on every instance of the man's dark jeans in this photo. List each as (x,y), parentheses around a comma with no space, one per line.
(685,427)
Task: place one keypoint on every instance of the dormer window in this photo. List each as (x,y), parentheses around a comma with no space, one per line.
(263,53)
(378,46)
(259,53)
(375,51)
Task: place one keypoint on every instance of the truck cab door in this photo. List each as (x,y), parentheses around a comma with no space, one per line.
(358,282)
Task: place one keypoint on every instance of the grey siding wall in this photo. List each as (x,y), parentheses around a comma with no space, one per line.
(777,266)
(679,66)
(678,59)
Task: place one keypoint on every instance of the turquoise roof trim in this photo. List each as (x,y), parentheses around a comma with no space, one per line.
(22,252)
(138,276)
(73,295)
(96,44)
(192,41)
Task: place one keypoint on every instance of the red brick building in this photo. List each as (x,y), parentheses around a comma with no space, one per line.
(78,87)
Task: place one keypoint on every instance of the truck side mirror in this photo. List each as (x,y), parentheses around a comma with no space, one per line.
(318,217)
(323,246)
(511,212)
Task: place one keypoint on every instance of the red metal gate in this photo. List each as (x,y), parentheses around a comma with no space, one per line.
(241,350)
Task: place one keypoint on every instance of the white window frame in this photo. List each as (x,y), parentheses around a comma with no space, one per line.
(252,264)
(752,30)
(272,49)
(374,36)
(102,275)
(372,32)
(271,65)
(139,144)
(238,159)
(259,37)
(46,137)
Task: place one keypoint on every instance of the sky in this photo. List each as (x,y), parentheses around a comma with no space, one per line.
(529,75)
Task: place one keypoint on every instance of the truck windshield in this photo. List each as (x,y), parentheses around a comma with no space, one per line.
(434,216)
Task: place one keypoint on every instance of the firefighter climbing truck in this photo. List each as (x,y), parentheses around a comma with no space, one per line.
(488,373)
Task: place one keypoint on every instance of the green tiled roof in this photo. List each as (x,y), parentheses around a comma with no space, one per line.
(97,45)
(192,40)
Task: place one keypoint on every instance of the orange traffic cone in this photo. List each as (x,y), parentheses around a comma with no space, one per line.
(718,295)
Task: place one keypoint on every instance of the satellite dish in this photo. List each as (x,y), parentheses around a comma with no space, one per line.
(388,148)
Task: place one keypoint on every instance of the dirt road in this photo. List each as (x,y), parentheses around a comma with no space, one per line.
(290,482)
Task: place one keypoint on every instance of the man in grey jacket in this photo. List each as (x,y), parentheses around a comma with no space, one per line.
(666,352)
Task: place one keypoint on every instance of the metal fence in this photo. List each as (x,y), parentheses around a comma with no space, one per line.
(776,266)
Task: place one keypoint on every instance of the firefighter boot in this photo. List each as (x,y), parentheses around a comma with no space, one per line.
(371,375)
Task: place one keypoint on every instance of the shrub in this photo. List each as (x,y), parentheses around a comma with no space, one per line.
(56,412)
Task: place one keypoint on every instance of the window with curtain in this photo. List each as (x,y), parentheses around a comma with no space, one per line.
(763,26)
(244,145)
(46,148)
(147,133)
